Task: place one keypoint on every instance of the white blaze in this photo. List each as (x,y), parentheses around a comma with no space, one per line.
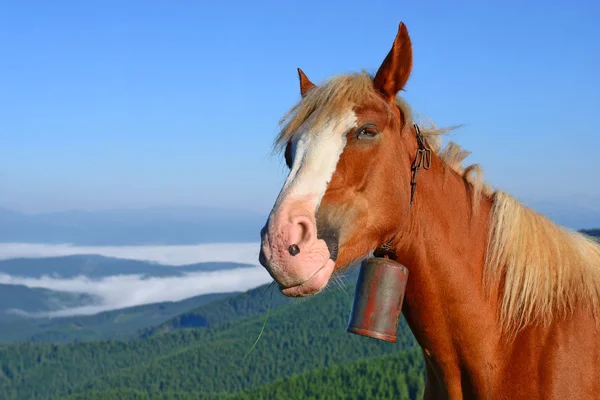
(315,155)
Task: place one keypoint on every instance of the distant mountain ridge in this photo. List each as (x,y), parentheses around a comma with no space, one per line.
(19,299)
(96,266)
(158,226)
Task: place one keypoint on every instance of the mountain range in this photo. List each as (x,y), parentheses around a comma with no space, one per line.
(31,289)
(20,300)
(96,266)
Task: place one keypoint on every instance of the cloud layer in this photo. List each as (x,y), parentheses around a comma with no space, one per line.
(131,290)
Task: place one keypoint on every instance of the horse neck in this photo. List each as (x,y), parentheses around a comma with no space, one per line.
(444,250)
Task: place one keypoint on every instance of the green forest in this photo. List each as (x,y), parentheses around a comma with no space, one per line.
(398,376)
(304,352)
(123,323)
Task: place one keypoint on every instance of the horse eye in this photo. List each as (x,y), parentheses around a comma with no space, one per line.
(367,132)
(288,154)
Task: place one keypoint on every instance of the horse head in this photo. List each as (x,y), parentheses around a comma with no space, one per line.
(349,145)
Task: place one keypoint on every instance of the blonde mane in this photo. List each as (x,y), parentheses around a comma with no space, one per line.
(544,271)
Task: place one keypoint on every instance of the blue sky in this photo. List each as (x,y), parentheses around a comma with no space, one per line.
(110,104)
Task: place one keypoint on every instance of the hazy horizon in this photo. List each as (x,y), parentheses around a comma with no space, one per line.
(572,212)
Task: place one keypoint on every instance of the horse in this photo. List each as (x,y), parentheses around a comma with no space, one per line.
(504,303)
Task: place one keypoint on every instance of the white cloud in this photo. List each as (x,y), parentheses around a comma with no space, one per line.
(246,253)
(131,290)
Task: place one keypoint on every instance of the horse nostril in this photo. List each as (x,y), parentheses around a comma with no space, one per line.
(294,249)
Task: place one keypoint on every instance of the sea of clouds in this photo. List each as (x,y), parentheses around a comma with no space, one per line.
(131,290)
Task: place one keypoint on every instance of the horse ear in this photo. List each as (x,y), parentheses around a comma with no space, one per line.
(305,84)
(395,69)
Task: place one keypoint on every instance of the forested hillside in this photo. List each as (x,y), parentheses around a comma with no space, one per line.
(16,300)
(252,303)
(399,376)
(124,323)
(300,337)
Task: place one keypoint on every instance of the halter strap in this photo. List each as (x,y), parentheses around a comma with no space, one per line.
(422,160)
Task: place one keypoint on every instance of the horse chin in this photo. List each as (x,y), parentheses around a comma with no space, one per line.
(313,285)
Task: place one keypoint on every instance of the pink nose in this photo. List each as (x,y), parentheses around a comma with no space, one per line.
(284,238)
(291,251)
(301,234)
